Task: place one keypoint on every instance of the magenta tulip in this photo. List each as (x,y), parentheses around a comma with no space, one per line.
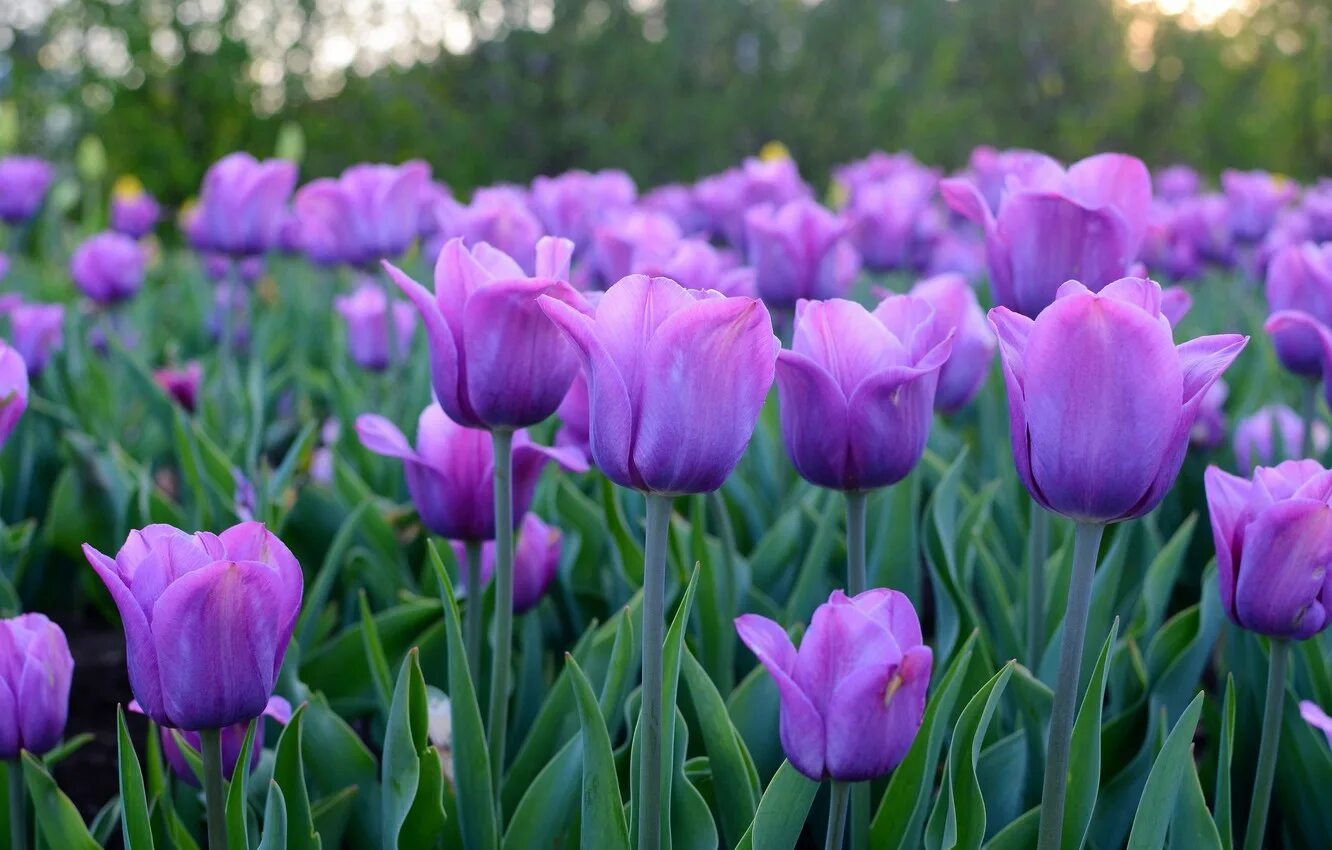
(13,390)
(1300,278)
(182,384)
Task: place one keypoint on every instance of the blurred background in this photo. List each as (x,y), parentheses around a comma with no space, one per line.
(491,90)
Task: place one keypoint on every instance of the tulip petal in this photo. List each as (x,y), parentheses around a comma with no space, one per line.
(1176,302)
(1203,361)
(1119,181)
(528,460)
(278,709)
(553,256)
(801,726)
(383,437)
(893,609)
(1138,291)
(447,371)
(141,651)
(1288,326)
(1283,568)
(11,741)
(1227,496)
(1317,718)
(43,691)
(874,714)
(629,315)
(847,341)
(814,420)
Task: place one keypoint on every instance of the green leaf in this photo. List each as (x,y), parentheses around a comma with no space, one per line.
(1152,821)
(336,759)
(626,543)
(316,596)
(406,748)
(238,830)
(782,812)
(1021,834)
(1225,755)
(602,824)
(735,781)
(60,823)
(374,655)
(135,826)
(1085,750)
(551,799)
(1192,825)
(275,820)
(289,775)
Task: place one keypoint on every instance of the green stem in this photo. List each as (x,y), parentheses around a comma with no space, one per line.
(472,550)
(857,582)
(654,592)
(210,748)
(18,806)
(502,440)
(1309,409)
(836,815)
(1038,549)
(1086,546)
(1270,744)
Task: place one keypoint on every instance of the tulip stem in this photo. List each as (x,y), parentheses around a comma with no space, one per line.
(18,806)
(502,440)
(1086,546)
(1038,548)
(837,799)
(1309,409)
(857,582)
(210,748)
(472,553)
(654,591)
(1268,746)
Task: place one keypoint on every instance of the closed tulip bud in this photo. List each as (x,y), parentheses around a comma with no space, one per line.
(1272,434)
(38,331)
(13,390)
(232,739)
(853,696)
(242,205)
(724,199)
(450,472)
(369,213)
(134,212)
(496,360)
(1273,536)
(891,221)
(857,389)
(622,242)
(108,268)
(1101,401)
(571,204)
(799,250)
(536,561)
(956,308)
(367,312)
(1085,224)
(676,380)
(1300,278)
(207,620)
(35,673)
(23,184)
(1317,718)
(499,216)
(182,384)
(1209,429)
(1255,198)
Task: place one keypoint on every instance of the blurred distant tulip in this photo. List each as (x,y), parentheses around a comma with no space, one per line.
(724,199)
(1166,248)
(536,561)
(233,738)
(696,264)
(207,620)
(242,205)
(1209,429)
(892,225)
(108,267)
(1255,198)
(13,390)
(500,216)
(799,250)
(367,312)
(182,384)
(956,308)
(368,214)
(1317,206)
(620,241)
(853,695)
(37,331)
(571,204)
(35,673)
(23,184)
(1177,182)
(1272,434)
(573,414)
(1204,223)
(1300,278)
(1317,718)
(992,171)
(134,212)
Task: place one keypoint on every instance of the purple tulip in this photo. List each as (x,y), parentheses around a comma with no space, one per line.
(696,264)
(677,201)
(1100,399)
(574,412)
(799,250)
(621,243)
(1300,278)
(1317,718)
(371,212)
(536,561)
(108,267)
(13,390)
(857,389)
(207,620)
(23,184)
(1255,198)
(1272,434)
(893,225)
(1317,206)
(1177,182)
(4,265)
(676,380)
(1209,429)
(242,204)
(182,384)
(724,199)
(1166,247)
(874,168)
(134,212)
(496,360)
(500,216)
(1273,536)
(450,472)
(232,739)
(956,308)
(853,696)
(35,673)
(37,332)
(992,171)
(1085,224)
(960,253)
(367,312)
(573,203)
(1204,223)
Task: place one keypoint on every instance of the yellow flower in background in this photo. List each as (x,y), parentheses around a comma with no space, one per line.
(127,186)
(774,151)
(838,194)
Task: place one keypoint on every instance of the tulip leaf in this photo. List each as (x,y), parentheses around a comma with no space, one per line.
(316,596)
(692,826)
(374,655)
(471,759)
(1192,824)
(1020,834)
(275,820)
(626,543)
(1085,750)
(289,775)
(60,822)
(1152,821)
(602,824)
(407,777)
(551,799)
(782,811)
(734,779)
(1225,754)
(336,759)
(238,836)
(1159,581)
(135,825)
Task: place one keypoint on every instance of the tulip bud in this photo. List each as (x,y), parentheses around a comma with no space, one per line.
(232,739)
(134,212)
(38,332)
(182,384)
(1300,278)
(35,673)
(13,390)
(242,205)
(799,250)
(23,184)
(369,213)
(536,562)
(367,313)
(108,267)
(956,308)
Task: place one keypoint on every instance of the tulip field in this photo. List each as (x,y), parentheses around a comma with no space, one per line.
(892,508)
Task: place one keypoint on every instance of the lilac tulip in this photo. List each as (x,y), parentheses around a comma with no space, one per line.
(853,695)
(536,561)
(573,203)
(1273,536)
(1272,434)
(574,412)
(1101,400)
(232,740)
(622,243)
(1204,223)
(1317,718)
(892,222)
(1084,224)
(1209,429)
(696,264)
(496,360)
(877,167)
(956,308)
(676,380)
(108,267)
(677,201)
(35,673)
(242,204)
(960,253)
(23,184)
(37,331)
(1317,206)
(207,620)
(500,216)
(799,250)
(1177,182)
(134,212)
(369,213)
(1300,278)
(367,312)
(1166,248)
(182,384)
(725,199)
(992,171)
(1255,198)
(13,390)
(450,472)
(857,389)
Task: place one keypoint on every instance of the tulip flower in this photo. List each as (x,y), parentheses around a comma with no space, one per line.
(1204,223)
(500,216)
(1086,224)
(1317,718)
(369,213)
(1209,429)
(233,738)
(1272,434)
(496,361)
(108,268)
(242,205)
(449,473)
(1300,278)
(799,250)
(536,562)
(725,199)
(1177,182)
(1255,198)
(955,307)
(677,201)
(992,171)
(1317,206)
(207,620)
(696,264)
(182,384)
(892,222)
(134,212)
(4,265)
(853,695)
(621,242)
(367,312)
(35,673)
(1166,247)
(574,413)
(23,184)
(37,332)
(13,390)
(573,203)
